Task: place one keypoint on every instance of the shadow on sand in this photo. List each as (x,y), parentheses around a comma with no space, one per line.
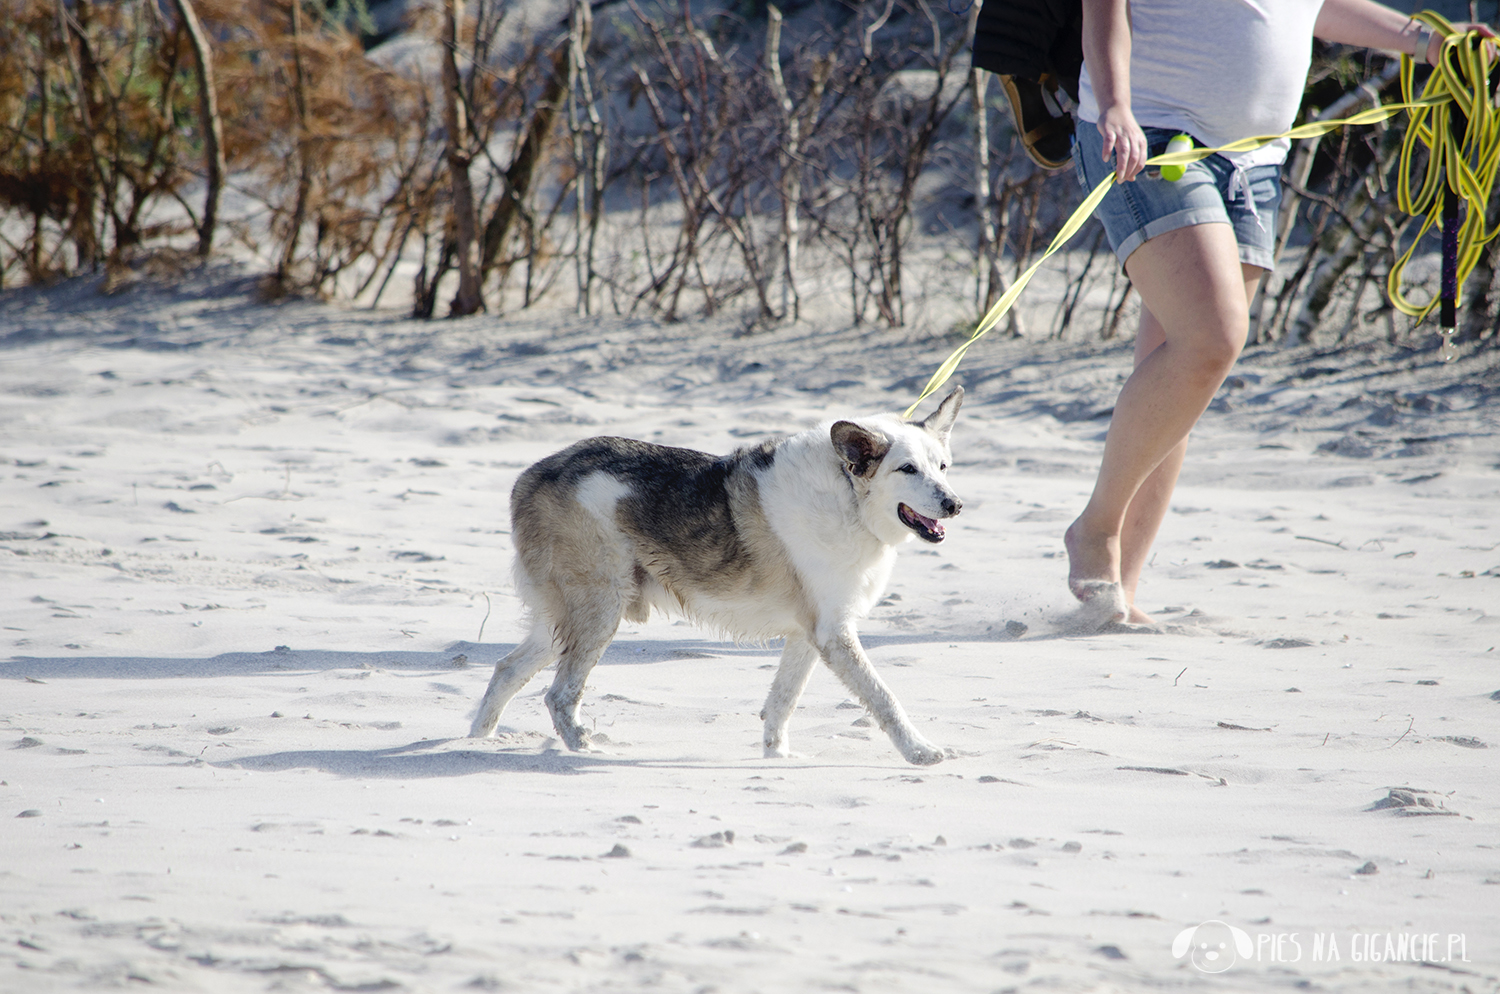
(423,760)
(432,759)
(480,656)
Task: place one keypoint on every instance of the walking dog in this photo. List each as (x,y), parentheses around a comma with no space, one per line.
(793,538)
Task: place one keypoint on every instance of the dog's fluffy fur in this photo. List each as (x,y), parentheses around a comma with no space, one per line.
(792,538)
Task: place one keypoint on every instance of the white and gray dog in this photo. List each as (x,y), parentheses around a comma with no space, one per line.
(792,538)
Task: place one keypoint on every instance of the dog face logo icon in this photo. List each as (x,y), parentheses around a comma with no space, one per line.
(1214,946)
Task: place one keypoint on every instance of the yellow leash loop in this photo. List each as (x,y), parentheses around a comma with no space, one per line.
(1470,164)
(1465,164)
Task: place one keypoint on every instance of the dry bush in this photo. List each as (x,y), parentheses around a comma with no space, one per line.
(773,138)
(100,128)
(517,104)
(338,147)
(515,84)
(92,97)
(701,139)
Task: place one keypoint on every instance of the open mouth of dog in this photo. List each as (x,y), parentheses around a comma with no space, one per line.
(926,528)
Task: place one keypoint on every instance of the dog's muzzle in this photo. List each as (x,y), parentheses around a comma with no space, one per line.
(927,529)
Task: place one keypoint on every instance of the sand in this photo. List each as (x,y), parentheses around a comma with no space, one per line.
(254,573)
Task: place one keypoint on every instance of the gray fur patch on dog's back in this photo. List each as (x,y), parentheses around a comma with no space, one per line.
(685,512)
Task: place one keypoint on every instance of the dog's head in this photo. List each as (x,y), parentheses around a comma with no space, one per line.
(899,470)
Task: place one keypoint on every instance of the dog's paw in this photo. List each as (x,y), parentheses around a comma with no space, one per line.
(920,752)
(778,749)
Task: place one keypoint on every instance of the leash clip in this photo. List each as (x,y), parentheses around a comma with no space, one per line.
(1447,351)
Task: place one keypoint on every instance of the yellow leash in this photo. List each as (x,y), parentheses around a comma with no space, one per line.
(1458,84)
(1468,163)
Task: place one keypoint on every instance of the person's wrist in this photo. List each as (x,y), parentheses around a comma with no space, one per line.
(1419,43)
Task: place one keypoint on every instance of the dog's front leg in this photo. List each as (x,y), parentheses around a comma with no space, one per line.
(797,661)
(846,657)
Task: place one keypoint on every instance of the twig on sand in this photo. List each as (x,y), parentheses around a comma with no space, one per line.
(1409,724)
(1309,538)
(1178,676)
(286,491)
(480,637)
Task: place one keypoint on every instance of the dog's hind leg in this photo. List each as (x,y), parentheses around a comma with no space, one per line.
(584,639)
(846,657)
(534,653)
(797,661)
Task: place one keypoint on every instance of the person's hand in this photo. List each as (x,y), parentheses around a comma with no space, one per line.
(1435,43)
(1124,139)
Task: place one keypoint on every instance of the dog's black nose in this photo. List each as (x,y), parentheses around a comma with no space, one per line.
(952,505)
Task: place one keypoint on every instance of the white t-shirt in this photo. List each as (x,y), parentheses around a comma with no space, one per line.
(1219,70)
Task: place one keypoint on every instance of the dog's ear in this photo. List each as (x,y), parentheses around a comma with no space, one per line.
(940,422)
(860,448)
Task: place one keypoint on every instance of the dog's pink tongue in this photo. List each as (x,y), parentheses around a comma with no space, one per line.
(931,523)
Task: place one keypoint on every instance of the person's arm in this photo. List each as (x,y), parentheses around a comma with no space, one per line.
(1366,24)
(1106,50)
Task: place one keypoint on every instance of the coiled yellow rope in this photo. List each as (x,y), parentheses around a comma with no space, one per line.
(1459,82)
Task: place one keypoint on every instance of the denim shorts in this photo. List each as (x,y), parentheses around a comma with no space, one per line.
(1207,193)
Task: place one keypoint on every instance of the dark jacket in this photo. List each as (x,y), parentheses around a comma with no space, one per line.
(1030,37)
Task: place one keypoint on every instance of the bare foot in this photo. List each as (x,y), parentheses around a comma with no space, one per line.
(1090,558)
(1094,575)
(1139,617)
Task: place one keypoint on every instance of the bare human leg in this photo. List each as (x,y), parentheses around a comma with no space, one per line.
(1142,520)
(1196,295)
(1149,506)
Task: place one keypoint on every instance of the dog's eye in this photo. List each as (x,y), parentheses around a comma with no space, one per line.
(908,468)
(943,467)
